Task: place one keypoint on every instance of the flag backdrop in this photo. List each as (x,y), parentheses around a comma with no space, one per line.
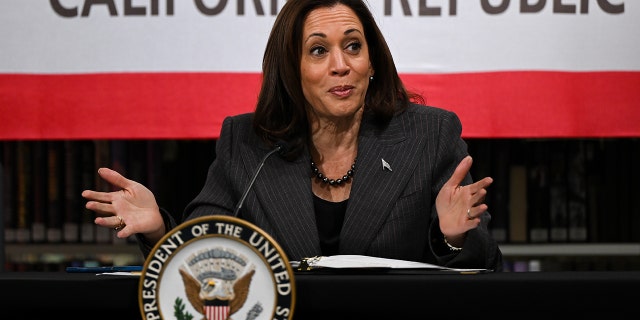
(85,69)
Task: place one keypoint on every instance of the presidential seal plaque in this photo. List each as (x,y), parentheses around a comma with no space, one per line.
(217,268)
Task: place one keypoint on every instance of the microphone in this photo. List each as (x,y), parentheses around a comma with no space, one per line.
(280,147)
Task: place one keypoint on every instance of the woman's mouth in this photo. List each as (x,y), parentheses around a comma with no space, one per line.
(341,91)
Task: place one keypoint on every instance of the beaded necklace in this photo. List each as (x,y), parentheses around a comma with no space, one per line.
(333,182)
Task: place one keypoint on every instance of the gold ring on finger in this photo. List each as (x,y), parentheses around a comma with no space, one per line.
(121,224)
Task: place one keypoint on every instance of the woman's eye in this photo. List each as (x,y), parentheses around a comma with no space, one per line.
(317,51)
(354,47)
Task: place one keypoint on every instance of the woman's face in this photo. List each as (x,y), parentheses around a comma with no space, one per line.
(335,66)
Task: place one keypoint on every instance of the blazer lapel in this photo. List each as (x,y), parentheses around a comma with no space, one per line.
(284,192)
(376,186)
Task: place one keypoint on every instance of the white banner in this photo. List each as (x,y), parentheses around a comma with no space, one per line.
(74,69)
(425,36)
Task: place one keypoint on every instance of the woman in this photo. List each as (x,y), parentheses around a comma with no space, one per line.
(367,170)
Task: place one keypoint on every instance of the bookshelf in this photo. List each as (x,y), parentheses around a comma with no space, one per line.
(567,203)
(597,191)
(45,225)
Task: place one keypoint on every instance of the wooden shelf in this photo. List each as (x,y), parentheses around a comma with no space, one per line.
(72,249)
(546,249)
(571,249)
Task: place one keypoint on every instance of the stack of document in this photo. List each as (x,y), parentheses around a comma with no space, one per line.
(366,262)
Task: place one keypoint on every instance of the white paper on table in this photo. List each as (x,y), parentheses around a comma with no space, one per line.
(362,261)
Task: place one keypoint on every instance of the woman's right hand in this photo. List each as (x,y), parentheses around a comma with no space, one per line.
(130,210)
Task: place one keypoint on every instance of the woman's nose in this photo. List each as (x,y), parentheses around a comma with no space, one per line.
(339,66)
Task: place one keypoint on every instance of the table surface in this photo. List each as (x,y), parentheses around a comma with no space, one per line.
(355,294)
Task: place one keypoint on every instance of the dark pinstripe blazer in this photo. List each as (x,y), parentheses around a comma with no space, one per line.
(390,213)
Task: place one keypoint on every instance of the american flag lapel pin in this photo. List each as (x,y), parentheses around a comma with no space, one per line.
(385,165)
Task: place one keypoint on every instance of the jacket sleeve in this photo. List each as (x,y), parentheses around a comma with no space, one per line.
(479,250)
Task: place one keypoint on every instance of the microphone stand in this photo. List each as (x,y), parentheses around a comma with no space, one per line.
(279,147)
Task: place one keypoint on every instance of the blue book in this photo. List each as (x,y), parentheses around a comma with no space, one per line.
(104,269)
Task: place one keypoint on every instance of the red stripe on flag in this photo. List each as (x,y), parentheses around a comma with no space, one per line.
(193,105)
(216,312)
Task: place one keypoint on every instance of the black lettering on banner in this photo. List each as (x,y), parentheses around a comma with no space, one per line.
(63,11)
(526,7)
(210,11)
(257,4)
(155,8)
(608,7)
(453,7)
(584,6)
(403,3)
(423,8)
(129,8)
(559,6)
(491,9)
(274,7)
(90,3)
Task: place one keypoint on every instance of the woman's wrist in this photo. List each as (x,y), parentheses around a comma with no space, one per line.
(454,243)
(450,246)
(163,228)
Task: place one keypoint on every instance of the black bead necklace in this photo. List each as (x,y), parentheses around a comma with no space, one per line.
(333,182)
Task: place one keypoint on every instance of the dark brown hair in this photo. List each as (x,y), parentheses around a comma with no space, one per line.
(280,111)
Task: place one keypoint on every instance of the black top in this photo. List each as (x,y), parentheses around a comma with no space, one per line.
(329,218)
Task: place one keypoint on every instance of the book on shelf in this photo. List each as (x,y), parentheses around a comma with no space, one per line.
(634,177)
(626,189)
(9,195)
(87,182)
(558,219)
(577,191)
(24,180)
(40,168)
(518,203)
(118,158)
(609,207)
(137,161)
(102,158)
(168,179)
(537,197)
(153,165)
(2,207)
(594,184)
(498,192)
(71,190)
(55,154)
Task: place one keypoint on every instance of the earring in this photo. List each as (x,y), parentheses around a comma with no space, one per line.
(371,78)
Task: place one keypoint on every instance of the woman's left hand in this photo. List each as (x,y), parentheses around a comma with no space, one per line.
(459,207)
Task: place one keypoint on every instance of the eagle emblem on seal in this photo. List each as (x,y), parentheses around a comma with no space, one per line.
(216,282)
